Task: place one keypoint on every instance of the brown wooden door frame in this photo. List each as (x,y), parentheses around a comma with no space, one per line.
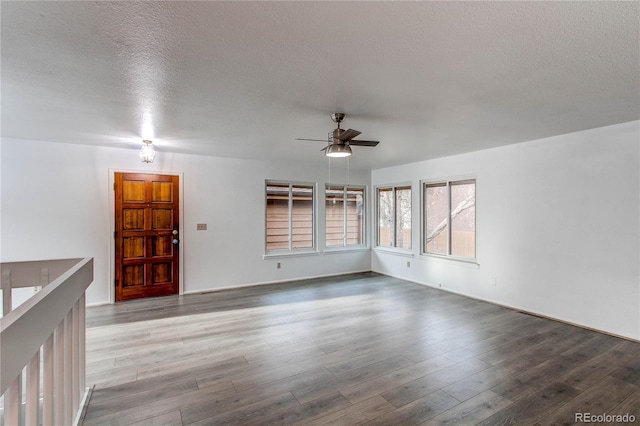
(111,203)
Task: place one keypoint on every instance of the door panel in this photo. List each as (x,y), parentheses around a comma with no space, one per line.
(132,247)
(147,223)
(133,191)
(162,245)
(162,219)
(162,191)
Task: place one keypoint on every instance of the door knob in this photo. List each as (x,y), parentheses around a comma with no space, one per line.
(176,241)
(175,232)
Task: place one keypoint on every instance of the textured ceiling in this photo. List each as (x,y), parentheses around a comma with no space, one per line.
(243,79)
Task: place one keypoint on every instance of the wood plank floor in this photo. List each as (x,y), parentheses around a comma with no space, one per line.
(356,349)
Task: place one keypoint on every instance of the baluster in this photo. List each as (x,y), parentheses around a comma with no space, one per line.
(44,276)
(75,349)
(59,374)
(32,384)
(47,381)
(83,344)
(68,368)
(13,403)
(5,286)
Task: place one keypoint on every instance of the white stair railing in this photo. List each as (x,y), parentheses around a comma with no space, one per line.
(48,329)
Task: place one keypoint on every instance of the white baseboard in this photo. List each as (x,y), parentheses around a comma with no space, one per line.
(512,307)
(91,305)
(311,277)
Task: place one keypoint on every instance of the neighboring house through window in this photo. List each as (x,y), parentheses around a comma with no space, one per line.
(290,217)
(344,216)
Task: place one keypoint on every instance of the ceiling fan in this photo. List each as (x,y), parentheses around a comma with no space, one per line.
(340,140)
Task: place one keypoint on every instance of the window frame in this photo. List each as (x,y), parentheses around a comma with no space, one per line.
(394,188)
(291,251)
(448,183)
(345,245)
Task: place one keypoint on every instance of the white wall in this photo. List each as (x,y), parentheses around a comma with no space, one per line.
(557,227)
(56,203)
(0,201)
(558,221)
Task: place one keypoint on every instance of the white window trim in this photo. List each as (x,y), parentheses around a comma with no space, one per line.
(347,247)
(314,207)
(395,250)
(469,260)
(423,215)
(275,254)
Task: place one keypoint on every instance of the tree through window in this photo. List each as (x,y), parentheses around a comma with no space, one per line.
(394,217)
(450,218)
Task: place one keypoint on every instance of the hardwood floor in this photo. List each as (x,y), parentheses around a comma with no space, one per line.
(356,349)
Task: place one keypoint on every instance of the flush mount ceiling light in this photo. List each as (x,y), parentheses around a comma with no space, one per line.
(337,150)
(147,153)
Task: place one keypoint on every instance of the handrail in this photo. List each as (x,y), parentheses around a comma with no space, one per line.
(37,273)
(56,311)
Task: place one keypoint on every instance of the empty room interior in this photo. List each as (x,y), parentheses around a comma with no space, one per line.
(340,213)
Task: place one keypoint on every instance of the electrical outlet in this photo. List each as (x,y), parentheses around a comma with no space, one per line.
(278,266)
(201,227)
(408,264)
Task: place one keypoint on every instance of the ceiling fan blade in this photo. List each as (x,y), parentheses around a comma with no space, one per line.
(315,140)
(363,143)
(349,134)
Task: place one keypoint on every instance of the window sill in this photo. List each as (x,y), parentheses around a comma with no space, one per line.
(356,249)
(396,252)
(290,254)
(461,260)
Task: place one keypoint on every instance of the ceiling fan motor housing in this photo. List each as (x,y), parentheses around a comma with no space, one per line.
(334,136)
(339,140)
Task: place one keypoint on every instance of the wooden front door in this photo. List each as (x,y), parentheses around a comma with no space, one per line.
(146,235)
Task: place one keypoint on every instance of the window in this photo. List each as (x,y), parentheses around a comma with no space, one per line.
(344,213)
(394,217)
(450,218)
(289,216)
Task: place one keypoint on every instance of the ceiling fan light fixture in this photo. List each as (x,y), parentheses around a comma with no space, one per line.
(338,150)
(340,140)
(147,153)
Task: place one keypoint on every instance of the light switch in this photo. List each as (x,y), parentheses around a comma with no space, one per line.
(201,227)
